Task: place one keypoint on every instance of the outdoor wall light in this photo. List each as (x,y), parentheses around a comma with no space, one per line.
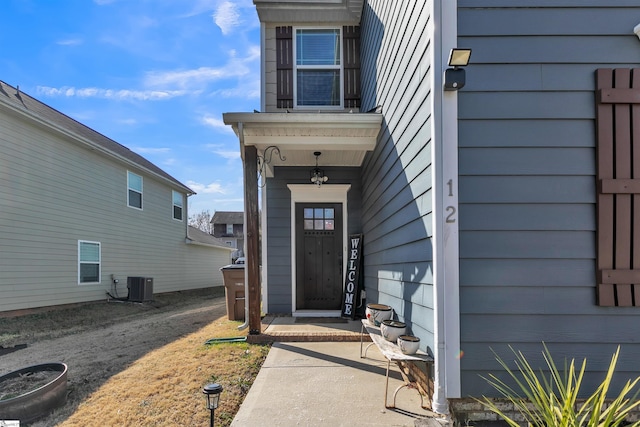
(212,393)
(317,175)
(636,30)
(454,78)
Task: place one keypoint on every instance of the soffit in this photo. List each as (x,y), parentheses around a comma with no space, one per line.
(309,11)
(343,138)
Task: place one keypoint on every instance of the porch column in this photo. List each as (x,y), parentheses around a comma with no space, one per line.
(252,265)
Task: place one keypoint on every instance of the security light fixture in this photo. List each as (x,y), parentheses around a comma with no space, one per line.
(212,393)
(454,78)
(317,175)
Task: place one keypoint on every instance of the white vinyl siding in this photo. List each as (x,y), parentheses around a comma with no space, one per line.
(177,205)
(44,172)
(134,193)
(318,67)
(89,261)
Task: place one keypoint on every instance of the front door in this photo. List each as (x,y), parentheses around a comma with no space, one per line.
(319,256)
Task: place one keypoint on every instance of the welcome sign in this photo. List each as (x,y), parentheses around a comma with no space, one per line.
(352,278)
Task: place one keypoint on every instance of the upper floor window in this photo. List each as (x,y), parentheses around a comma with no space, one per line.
(318,69)
(88,262)
(134,185)
(229,228)
(177,205)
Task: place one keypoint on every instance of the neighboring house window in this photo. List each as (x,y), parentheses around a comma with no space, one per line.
(88,262)
(177,205)
(318,67)
(323,66)
(134,184)
(230,244)
(229,228)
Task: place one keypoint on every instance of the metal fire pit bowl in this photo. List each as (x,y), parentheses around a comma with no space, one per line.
(35,403)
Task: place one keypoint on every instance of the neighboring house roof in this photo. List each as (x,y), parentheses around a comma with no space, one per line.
(227,217)
(22,103)
(198,237)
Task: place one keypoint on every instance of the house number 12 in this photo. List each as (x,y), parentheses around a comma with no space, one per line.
(451,210)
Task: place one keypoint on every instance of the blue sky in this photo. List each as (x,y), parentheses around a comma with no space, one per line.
(153,75)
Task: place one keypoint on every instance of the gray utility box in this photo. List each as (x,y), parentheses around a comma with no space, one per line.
(140,289)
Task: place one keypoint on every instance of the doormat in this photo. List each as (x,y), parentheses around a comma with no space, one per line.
(320,320)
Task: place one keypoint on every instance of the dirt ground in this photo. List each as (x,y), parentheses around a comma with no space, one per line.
(96,351)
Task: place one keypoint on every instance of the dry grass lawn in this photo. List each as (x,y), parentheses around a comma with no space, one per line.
(137,364)
(165,386)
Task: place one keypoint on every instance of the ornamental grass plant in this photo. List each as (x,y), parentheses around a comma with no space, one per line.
(546,399)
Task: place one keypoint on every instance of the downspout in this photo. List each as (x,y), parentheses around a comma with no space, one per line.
(245,325)
(445,202)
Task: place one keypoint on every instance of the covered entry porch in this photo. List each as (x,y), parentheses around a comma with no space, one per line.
(278,156)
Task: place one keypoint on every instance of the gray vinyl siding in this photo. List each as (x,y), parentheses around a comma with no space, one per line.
(55,191)
(278,197)
(527,183)
(397,181)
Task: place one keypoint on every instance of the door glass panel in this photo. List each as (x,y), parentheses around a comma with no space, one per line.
(319,218)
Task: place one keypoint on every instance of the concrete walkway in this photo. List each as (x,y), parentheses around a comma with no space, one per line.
(327,384)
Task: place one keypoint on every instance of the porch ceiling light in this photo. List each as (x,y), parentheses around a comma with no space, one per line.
(317,175)
(454,78)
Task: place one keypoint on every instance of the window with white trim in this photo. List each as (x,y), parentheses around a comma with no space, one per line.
(89,259)
(229,228)
(178,204)
(134,186)
(318,67)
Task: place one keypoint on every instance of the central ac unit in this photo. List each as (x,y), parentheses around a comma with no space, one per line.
(140,288)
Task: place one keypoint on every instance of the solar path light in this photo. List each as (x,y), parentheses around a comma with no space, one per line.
(212,393)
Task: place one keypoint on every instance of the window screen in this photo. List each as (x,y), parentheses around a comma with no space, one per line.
(177,205)
(88,262)
(318,67)
(134,182)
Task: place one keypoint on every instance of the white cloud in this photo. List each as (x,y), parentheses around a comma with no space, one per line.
(229,155)
(249,90)
(151,150)
(235,67)
(116,94)
(213,188)
(223,151)
(70,42)
(216,123)
(227,17)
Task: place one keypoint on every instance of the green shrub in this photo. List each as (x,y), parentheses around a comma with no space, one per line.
(551,398)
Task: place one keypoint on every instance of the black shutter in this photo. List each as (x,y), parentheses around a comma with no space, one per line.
(284,67)
(351,55)
(618,189)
